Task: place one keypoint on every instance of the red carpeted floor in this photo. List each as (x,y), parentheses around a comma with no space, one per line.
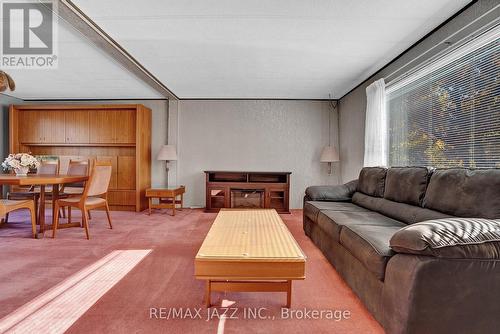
(164,279)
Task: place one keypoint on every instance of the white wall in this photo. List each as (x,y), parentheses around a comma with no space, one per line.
(353,105)
(173,138)
(253,135)
(258,135)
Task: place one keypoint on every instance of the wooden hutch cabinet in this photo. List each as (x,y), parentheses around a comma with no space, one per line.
(250,190)
(118,133)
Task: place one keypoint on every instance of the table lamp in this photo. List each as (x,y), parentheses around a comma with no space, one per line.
(167,153)
(329,154)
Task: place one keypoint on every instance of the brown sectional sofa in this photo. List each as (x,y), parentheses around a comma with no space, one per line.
(420,247)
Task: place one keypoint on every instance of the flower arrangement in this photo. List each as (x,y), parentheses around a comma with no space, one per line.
(20,163)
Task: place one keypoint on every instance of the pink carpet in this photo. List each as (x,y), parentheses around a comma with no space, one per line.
(164,279)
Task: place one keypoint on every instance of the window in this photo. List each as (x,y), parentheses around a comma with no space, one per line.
(447,113)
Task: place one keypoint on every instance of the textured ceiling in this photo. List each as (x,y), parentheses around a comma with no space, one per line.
(266,49)
(83,72)
(237,48)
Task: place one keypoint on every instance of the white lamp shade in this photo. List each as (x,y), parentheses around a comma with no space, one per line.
(167,153)
(329,154)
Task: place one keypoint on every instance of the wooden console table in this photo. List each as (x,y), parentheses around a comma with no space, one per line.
(248,190)
(167,198)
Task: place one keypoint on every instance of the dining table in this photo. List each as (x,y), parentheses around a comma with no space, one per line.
(42,181)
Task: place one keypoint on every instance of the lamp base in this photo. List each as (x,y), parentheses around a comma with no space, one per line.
(166,169)
(330,169)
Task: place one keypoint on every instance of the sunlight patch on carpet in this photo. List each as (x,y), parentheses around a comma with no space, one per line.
(222,320)
(57,309)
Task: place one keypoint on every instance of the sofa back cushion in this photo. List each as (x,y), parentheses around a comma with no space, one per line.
(406,213)
(372,181)
(406,184)
(465,193)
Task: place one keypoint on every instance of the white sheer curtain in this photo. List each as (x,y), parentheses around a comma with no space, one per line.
(376,137)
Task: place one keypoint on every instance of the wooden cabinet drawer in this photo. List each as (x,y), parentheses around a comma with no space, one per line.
(155,193)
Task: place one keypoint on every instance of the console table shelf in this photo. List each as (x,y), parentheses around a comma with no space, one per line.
(250,190)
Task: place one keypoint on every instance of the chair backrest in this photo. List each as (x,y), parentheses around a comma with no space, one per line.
(100,177)
(48,167)
(77,167)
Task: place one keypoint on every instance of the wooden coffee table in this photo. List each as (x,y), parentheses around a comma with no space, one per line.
(249,251)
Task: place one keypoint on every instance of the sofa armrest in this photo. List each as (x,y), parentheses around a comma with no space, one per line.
(459,238)
(338,193)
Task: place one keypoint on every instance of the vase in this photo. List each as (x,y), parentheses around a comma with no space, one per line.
(21,171)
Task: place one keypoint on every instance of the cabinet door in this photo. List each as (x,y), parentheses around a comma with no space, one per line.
(30,124)
(122,199)
(102,124)
(276,199)
(77,125)
(217,198)
(52,129)
(126,173)
(124,126)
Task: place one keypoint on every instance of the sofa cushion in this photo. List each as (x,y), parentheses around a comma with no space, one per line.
(367,202)
(370,245)
(331,222)
(312,208)
(406,184)
(372,181)
(465,193)
(403,212)
(450,238)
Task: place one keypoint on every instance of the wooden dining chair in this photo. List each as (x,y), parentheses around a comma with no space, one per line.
(75,167)
(33,193)
(7,205)
(94,196)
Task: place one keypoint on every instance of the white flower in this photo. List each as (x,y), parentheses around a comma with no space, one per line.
(14,161)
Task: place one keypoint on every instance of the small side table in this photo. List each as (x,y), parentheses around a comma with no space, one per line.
(167,198)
